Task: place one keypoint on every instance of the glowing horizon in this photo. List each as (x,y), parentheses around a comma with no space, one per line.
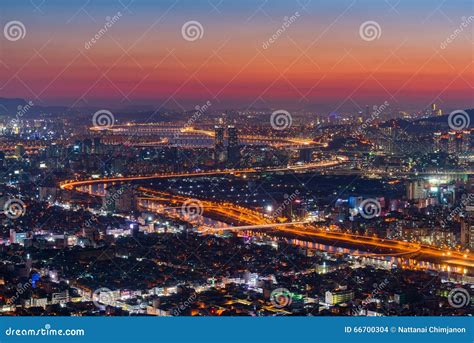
(319,61)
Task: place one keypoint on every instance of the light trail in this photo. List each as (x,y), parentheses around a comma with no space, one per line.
(255,227)
(257,221)
(165,131)
(71,184)
(254,220)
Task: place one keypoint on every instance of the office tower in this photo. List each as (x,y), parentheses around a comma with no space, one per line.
(306,155)
(339,296)
(19,150)
(17,237)
(416,190)
(52,151)
(386,140)
(12,236)
(77,147)
(219,136)
(97,145)
(219,149)
(452,142)
(233,148)
(87,146)
(465,141)
(119,199)
(467,229)
(437,141)
(233,136)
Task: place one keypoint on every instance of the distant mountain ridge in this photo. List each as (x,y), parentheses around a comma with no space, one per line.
(10,107)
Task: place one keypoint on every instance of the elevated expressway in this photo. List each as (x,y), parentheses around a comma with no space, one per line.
(186,135)
(246,220)
(254,220)
(74,184)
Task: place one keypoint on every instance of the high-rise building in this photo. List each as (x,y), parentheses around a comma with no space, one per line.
(386,140)
(119,199)
(87,146)
(233,147)
(17,237)
(416,190)
(339,296)
(219,149)
(306,155)
(452,142)
(437,141)
(219,136)
(97,145)
(466,141)
(53,150)
(233,136)
(19,150)
(467,229)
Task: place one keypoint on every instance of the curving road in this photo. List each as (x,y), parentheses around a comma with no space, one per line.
(254,220)
(72,184)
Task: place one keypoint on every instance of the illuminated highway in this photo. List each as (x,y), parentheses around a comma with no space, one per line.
(11,146)
(227,210)
(278,141)
(255,220)
(246,219)
(72,184)
(170,134)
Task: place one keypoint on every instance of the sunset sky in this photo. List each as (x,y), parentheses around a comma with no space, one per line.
(319,62)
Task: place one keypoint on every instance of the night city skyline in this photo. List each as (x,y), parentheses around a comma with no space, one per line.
(237,158)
